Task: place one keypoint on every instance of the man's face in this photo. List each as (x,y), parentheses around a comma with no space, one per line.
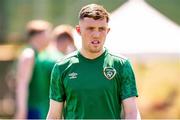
(42,39)
(93,33)
(62,44)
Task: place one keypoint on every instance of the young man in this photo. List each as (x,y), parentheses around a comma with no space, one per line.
(92,82)
(32,75)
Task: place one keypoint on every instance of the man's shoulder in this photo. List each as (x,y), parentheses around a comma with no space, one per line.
(27,54)
(68,59)
(117,57)
(119,60)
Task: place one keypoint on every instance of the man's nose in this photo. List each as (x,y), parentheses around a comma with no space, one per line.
(96,34)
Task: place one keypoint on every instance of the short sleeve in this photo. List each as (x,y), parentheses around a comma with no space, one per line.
(56,85)
(128,83)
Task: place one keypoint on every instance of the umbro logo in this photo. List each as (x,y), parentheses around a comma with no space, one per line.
(73,75)
(109,72)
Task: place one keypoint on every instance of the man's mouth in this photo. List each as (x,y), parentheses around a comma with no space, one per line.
(95,42)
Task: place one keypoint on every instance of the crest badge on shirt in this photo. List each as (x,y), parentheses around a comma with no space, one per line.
(109,72)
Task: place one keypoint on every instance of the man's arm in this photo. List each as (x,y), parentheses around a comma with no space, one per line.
(130,108)
(55,110)
(24,73)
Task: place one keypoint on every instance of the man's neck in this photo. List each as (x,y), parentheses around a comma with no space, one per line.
(91,55)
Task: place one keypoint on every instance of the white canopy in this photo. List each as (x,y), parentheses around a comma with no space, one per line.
(136,27)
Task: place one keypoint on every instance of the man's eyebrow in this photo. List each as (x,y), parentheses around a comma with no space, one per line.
(102,27)
(90,27)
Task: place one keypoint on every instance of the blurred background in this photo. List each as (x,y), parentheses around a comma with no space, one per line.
(147,32)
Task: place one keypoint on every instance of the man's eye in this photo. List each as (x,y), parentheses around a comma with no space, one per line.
(101,29)
(91,28)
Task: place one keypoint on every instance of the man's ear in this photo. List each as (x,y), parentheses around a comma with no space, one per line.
(78,29)
(108,30)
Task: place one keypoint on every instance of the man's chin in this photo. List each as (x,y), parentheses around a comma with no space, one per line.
(96,50)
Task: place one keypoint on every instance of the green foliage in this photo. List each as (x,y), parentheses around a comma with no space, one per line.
(170,8)
(19,12)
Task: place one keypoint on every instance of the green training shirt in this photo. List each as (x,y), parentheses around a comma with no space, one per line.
(39,84)
(92,88)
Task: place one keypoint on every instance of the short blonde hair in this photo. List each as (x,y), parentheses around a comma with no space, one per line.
(36,26)
(94,11)
(63,30)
